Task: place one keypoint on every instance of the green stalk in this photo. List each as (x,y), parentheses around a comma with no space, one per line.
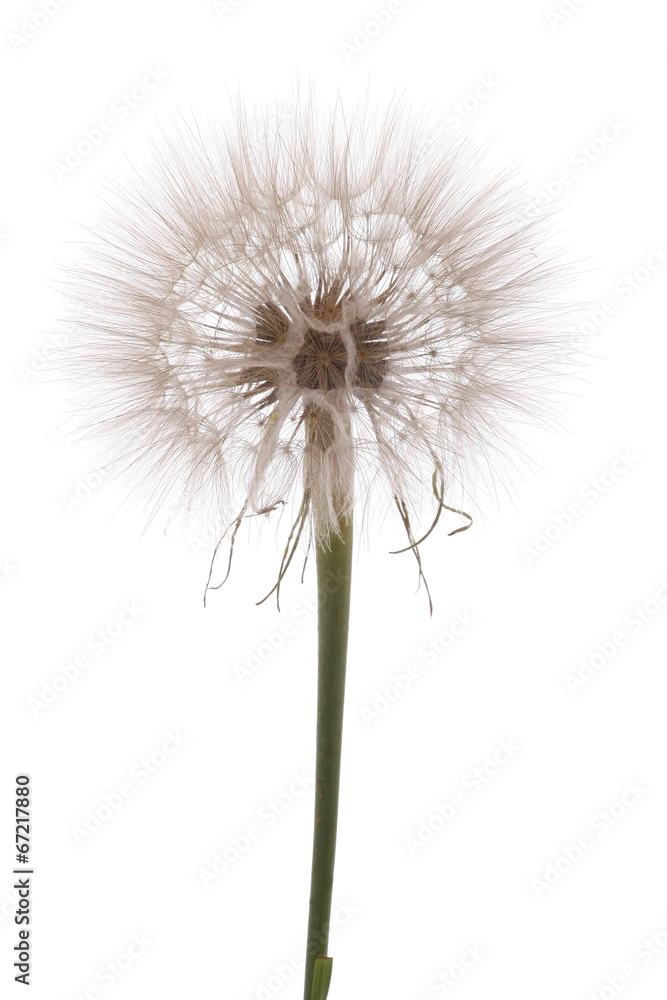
(334,575)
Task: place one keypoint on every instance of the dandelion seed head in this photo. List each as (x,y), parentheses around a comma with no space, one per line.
(315,303)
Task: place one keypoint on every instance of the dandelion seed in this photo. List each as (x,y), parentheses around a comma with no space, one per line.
(320,309)
(320,306)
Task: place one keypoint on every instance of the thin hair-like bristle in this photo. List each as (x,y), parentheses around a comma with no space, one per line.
(323,303)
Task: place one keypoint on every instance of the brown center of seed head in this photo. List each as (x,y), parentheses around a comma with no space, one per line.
(321,361)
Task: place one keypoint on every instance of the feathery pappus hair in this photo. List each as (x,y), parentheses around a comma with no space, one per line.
(315,307)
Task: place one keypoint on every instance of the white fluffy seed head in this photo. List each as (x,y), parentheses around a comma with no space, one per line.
(305,305)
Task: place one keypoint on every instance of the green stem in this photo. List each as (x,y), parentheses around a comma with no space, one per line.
(334,575)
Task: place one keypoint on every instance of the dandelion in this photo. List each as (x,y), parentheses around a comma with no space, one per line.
(327,311)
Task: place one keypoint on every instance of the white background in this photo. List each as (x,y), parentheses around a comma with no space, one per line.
(67,567)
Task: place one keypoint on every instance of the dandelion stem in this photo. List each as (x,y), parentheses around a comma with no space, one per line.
(334,574)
